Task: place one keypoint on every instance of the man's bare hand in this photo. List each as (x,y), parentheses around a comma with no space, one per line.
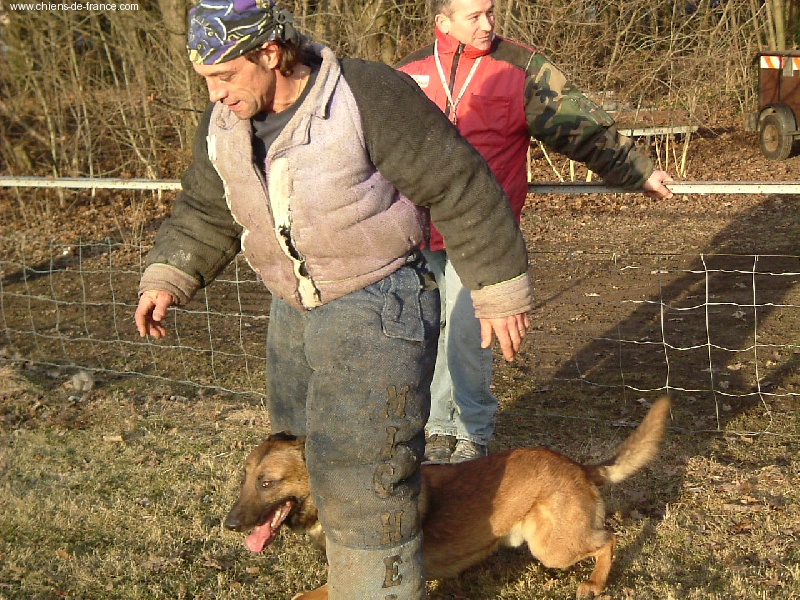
(151,311)
(654,187)
(509,332)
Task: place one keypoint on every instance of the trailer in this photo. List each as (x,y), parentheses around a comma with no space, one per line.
(778,116)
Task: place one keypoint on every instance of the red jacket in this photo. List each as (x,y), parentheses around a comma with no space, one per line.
(490,114)
(516,93)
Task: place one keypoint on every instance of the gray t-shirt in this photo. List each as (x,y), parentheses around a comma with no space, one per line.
(267,126)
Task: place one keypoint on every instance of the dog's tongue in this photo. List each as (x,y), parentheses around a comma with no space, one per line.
(263,534)
(259,538)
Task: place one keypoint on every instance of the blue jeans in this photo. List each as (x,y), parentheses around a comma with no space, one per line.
(462,403)
(354,375)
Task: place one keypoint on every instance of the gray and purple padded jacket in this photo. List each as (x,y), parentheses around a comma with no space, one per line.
(339,208)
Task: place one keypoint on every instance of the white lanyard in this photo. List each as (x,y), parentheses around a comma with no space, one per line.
(453,103)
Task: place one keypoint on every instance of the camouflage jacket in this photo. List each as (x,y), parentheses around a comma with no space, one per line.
(513,94)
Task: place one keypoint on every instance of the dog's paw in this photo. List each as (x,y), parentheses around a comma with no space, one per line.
(589,589)
(320,593)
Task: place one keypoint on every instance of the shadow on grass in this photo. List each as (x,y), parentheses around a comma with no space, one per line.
(715,330)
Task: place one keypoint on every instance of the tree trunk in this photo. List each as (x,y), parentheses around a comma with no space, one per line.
(174,14)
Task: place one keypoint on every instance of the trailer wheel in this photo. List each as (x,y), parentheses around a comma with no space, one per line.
(775,133)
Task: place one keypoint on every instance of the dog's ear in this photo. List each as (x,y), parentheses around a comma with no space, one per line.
(285,436)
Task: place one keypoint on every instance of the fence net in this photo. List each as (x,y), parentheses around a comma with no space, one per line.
(75,309)
(716,326)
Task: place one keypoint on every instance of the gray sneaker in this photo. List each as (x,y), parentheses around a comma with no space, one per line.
(438,448)
(467,450)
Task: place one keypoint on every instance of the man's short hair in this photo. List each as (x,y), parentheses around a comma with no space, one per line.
(440,7)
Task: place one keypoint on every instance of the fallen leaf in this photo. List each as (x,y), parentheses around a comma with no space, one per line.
(745,527)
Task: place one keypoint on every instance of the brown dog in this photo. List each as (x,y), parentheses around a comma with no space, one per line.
(528,495)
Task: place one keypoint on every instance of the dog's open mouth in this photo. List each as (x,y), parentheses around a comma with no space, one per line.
(262,535)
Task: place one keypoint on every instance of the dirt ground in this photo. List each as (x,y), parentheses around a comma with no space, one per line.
(696,295)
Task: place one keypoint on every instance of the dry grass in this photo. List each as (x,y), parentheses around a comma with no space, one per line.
(120,493)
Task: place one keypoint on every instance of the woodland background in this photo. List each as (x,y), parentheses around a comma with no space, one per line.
(110,92)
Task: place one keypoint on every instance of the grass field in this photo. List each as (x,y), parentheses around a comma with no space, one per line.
(120,493)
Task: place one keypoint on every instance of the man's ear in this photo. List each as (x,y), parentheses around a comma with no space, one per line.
(271,55)
(442,23)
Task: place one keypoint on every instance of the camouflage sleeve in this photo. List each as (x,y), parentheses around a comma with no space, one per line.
(565,120)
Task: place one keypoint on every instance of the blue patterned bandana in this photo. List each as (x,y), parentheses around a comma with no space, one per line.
(221,30)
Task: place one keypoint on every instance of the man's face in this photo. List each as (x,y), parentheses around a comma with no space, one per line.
(244,86)
(471,22)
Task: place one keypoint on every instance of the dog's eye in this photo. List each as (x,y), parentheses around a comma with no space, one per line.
(265,483)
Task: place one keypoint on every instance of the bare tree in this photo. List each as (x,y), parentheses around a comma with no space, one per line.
(174,13)
(120,98)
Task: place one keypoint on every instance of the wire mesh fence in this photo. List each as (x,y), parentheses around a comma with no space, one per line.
(75,309)
(721,326)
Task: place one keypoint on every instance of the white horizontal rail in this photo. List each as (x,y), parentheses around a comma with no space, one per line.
(678,187)
(95,183)
(644,131)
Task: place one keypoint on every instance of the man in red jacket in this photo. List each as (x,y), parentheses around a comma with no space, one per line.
(500,94)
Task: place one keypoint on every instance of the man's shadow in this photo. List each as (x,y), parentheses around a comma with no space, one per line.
(712,328)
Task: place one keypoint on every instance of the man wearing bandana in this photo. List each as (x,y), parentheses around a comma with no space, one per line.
(500,94)
(316,169)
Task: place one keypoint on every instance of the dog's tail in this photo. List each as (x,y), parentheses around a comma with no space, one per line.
(639,449)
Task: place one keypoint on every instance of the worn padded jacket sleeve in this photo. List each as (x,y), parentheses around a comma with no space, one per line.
(200,237)
(417,148)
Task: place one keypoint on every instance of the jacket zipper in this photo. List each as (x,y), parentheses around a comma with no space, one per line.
(453,71)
